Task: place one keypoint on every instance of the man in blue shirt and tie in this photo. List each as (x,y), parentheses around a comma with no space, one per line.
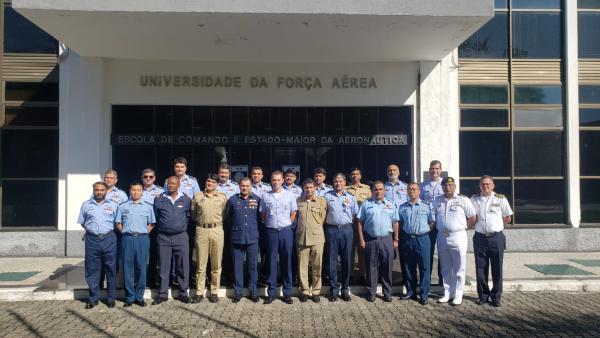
(278,211)
(377,232)
(416,220)
(135,219)
(97,217)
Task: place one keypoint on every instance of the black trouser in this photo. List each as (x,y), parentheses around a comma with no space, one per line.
(489,251)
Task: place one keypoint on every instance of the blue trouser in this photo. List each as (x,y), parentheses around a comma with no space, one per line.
(339,243)
(432,239)
(174,246)
(415,249)
(489,251)
(101,255)
(379,263)
(249,252)
(279,244)
(135,250)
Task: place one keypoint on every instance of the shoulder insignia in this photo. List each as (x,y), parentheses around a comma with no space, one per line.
(234,183)
(426,202)
(327,186)
(500,196)
(191,177)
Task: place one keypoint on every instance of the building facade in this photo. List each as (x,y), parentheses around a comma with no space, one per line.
(506,88)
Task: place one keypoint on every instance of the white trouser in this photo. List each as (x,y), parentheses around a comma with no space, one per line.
(452,250)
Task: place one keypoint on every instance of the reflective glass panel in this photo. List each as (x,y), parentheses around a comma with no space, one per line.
(475,117)
(490,41)
(589,151)
(540,202)
(23,36)
(30,203)
(485,153)
(536,35)
(589,94)
(29,153)
(538,153)
(590,201)
(589,117)
(538,95)
(538,117)
(536,4)
(471,94)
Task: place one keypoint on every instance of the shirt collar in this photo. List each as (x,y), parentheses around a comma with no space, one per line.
(152,187)
(179,194)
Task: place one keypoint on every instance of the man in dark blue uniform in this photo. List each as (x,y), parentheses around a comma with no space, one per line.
(97,217)
(242,217)
(173,212)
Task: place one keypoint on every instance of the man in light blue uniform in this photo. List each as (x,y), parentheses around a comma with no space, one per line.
(430,190)
(97,217)
(258,186)
(150,191)
(377,232)
(339,233)
(395,190)
(113,193)
(416,220)
(289,183)
(188,185)
(319,175)
(225,185)
(135,219)
(278,211)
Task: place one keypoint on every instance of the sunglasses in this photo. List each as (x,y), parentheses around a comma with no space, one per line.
(147,176)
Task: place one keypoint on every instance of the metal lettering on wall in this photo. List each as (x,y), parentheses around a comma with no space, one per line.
(262,140)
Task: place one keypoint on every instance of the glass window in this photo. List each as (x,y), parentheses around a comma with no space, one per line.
(588,31)
(538,153)
(132,120)
(536,35)
(22,36)
(538,95)
(31,116)
(485,153)
(298,116)
(30,203)
(476,117)
(201,120)
(182,117)
(29,153)
(589,94)
(471,187)
(394,120)
(31,91)
(490,41)
(131,160)
(589,148)
(536,4)
(538,117)
(333,121)
(588,4)
(471,94)
(540,202)
(590,201)
(500,4)
(589,117)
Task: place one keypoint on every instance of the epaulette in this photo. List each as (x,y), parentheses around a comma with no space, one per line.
(222,193)
(426,202)
(327,186)
(500,196)
(234,182)
(461,195)
(192,177)
(265,184)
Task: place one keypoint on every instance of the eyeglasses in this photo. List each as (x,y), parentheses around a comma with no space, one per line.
(148,176)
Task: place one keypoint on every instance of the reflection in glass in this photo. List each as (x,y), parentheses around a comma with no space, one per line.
(536,35)
(29,153)
(31,116)
(589,150)
(538,117)
(133,119)
(589,117)
(589,31)
(536,4)
(472,94)
(29,203)
(31,91)
(590,201)
(485,153)
(500,4)
(540,202)
(490,41)
(23,36)
(538,153)
(538,94)
(588,4)
(471,187)
(589,94)
(475,117)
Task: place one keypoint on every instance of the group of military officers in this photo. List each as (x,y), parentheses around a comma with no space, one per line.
(301,229)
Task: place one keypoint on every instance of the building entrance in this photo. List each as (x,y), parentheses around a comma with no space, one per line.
(336,138)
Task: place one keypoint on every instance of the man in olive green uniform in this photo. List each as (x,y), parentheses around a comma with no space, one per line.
(310,239)
(208,209)
(361,192)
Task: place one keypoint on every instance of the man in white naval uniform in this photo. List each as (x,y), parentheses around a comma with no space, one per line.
(453,214)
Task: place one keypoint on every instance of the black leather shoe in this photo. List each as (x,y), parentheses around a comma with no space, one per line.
(213,299)
(127,304)
(302,298)
(481,302)
(185,300)
(158,301)
(424,301)
(111,304)
(387,299)
(496,303)
(269,300)
(288,300)
(140,303)
(346,298)
(332,299)
(236,299)
(197,299)
(90,305)
(370,299)
(254,299)
(316,298)
(407,297)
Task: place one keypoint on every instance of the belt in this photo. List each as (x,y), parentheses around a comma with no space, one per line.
(489,234)
(448,233)
(340,226)
(135,234)
(209,225)
(99,236)
(279,229)
(415,235)
(371,238)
